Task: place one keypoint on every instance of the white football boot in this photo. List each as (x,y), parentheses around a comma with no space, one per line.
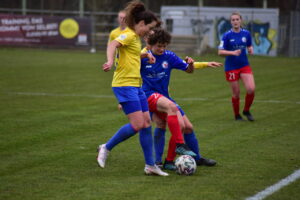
(154,170)
(102,155)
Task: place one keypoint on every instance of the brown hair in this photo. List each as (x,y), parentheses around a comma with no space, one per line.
(136,12)
(159,35)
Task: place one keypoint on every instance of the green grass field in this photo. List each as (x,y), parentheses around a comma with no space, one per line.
(57,106)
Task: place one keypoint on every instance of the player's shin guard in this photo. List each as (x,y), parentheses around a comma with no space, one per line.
(192,142)
(159,144)
(236,105)
(248,101)
(147,145)
(122,134)
(171,150)
(175,129)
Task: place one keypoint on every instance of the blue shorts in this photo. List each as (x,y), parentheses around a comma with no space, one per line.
(132,99)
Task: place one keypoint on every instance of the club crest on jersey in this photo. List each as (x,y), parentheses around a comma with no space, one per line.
(123,37)
(165,64)
(244,39)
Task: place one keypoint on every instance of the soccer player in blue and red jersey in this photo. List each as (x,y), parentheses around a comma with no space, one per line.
(156,79)
(233,45)
(126,84)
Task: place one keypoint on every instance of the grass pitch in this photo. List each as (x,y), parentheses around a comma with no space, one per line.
(57,106)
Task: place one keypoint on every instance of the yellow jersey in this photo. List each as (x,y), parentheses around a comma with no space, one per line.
(128,60)
(114,34)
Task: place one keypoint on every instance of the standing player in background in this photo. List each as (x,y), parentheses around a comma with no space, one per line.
(122,26)
(233,45)
(156,79)
(126,84)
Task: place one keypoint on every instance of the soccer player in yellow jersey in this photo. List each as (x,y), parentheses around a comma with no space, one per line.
(127,82)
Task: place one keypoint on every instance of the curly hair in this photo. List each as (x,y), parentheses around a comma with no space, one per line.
(159,35)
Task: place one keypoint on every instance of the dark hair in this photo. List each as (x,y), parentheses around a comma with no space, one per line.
(136,12)
(159,35)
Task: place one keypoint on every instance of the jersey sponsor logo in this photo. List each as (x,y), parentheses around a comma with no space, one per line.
(165,64)
(244,39)
(122,36)
(232,40)
(148,66)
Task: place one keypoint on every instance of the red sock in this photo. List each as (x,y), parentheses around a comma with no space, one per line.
(175,129)
(236,105)
(248,101)
(171,150)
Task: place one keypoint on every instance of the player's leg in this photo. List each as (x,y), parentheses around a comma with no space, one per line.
(146,141)
(136,122)
(129,99)
(249,84)
(159,138)
(233,77)
(174,121)
(192,142)
(235,99)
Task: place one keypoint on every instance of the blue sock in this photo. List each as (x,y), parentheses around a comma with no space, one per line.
(159,143)
(147,145)
(122,134)
(192,142)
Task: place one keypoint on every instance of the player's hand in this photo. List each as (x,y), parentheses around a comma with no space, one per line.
(214,64)
(250,50)
(236,52)
(189,60)
(120,107)
(151,58)
(107,66)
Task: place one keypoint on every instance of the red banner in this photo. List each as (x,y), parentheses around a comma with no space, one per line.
(44,30)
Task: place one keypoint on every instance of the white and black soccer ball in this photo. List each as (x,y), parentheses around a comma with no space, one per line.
(185,165)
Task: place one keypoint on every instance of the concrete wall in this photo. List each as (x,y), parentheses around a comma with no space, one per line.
(210,23)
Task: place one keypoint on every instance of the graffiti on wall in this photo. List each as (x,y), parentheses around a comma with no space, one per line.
(263,37)
(200,26)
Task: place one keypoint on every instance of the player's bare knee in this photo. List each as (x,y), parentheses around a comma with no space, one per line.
(147,123)
(138,125)
(161,124)
(250,90)
(172,108)
(188,128)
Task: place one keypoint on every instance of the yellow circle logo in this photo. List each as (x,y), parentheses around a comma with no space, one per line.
(69,28)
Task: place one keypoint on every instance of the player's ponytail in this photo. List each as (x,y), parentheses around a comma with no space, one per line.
(136,12)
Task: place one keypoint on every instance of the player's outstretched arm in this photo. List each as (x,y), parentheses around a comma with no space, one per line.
(201,65)
(214,64)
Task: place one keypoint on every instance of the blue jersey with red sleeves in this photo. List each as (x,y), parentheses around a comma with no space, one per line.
(233,41)
(156,77)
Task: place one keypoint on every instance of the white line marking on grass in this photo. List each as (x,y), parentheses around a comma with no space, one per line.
(270,190)
(111,96)
(60,95)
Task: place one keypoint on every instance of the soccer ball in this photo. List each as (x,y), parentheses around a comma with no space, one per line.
(185,165)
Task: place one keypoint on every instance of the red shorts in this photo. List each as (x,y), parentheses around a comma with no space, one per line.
(152,103)
(234,75)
